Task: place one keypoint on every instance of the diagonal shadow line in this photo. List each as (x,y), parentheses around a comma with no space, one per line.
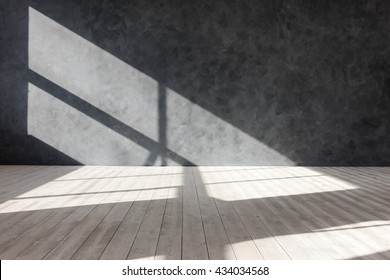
(263,179)
(93,193)
(350,228)
(115,177)
(104,118)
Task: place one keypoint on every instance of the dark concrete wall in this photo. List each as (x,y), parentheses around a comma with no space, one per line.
(235,82)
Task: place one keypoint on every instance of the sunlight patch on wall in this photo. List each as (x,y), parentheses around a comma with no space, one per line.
(93,74)
(83,69)
(195,133)
(75,134)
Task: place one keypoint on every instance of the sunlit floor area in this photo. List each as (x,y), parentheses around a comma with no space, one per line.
(251,212)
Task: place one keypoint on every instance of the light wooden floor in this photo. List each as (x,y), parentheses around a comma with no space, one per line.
(194,212)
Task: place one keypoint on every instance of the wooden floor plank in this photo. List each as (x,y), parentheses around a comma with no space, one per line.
(120,244)
(240,240)
(213,212)
(18,245)
(354,208)
(31,182)
(20,218)
(298,219)
(276,224)
(95,244)
(218,243)
(43,246)
(334,205)
(69,245)
(170,239)
(268,246)
(24,231)
(194,240)
(145,243)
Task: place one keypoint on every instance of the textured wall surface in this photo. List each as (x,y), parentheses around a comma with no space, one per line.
(262,82)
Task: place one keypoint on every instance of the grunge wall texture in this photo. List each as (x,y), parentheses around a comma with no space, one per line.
(262,82)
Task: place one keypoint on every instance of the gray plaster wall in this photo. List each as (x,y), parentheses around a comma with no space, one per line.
(195,82)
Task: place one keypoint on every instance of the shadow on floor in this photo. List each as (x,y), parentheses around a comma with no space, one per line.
(323,225)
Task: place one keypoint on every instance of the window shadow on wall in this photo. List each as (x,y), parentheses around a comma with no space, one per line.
(285,78)
(155,148)
(288,78)
(98,81)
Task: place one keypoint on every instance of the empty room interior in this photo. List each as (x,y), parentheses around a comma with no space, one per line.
(221,129)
